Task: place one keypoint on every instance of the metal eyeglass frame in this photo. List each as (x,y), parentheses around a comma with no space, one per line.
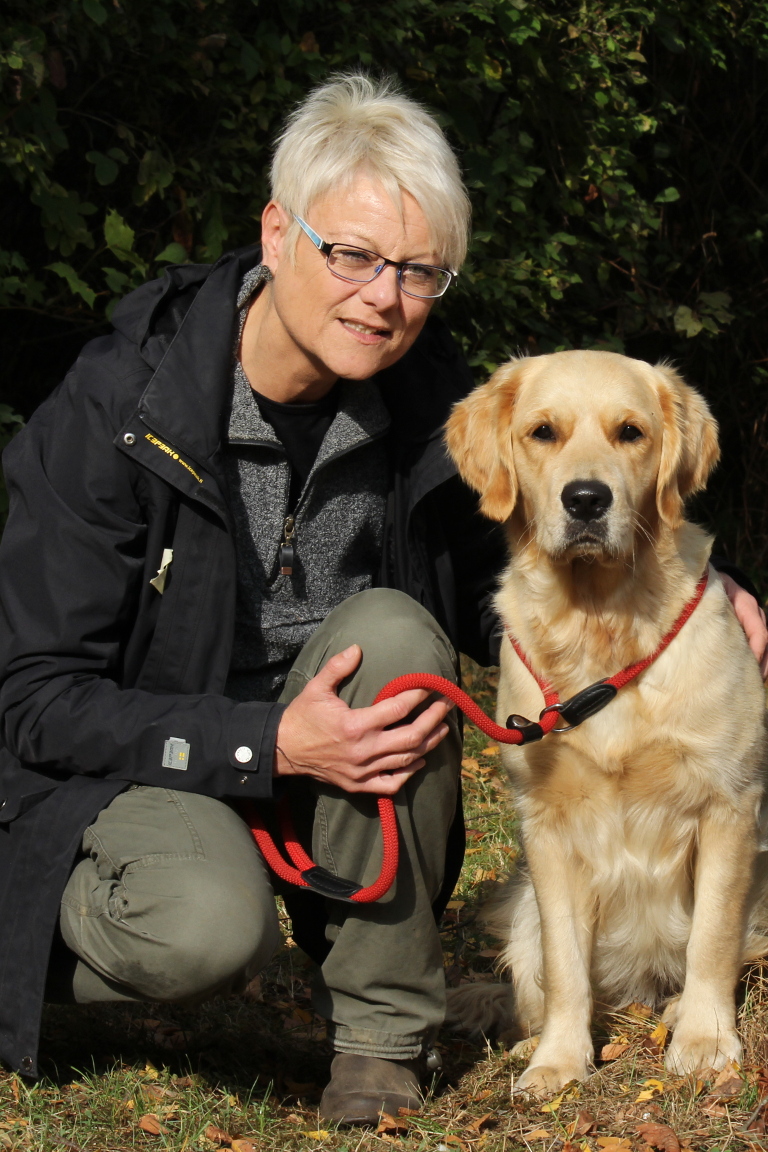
(326,249)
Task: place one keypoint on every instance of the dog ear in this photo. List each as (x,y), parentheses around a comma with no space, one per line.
(479,438)
(689,448)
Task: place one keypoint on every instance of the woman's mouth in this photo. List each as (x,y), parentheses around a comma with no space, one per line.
(365,333)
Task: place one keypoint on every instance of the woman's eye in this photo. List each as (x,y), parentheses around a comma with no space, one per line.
(630,432)
(543,432)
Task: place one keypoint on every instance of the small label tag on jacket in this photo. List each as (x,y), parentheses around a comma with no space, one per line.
(158,581)
(176,753)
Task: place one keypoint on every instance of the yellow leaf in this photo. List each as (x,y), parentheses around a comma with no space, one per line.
(653,1088)
(470,764)
(553,1105)
(660,1033)
(320,1134)
(538,1134)
(491,750)
(454,904)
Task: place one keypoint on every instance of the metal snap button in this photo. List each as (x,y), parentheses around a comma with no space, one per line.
(243,754)
(129,439)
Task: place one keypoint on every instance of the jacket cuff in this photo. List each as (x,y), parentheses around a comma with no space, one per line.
(720,564)
(251,739)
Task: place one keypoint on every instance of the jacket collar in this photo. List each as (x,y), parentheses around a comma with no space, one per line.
(187,397)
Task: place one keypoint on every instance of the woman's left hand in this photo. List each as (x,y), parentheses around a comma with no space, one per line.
(752,619)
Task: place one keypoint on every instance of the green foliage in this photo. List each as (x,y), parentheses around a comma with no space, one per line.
(615,155)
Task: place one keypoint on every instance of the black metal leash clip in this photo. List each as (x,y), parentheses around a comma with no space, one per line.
(583,705)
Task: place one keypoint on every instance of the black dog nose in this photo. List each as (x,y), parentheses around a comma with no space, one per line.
(586,499)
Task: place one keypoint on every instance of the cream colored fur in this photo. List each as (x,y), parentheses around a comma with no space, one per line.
(645,870)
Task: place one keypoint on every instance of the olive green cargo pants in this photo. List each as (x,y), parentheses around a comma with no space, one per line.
(171,899)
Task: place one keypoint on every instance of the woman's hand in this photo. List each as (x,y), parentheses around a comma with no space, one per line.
(751,617)
(322,737)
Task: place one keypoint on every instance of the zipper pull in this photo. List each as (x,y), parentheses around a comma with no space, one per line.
(285,555)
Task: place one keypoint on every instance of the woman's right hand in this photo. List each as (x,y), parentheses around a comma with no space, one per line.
(355,748)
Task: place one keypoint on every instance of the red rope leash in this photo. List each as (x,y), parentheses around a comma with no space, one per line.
(304,873)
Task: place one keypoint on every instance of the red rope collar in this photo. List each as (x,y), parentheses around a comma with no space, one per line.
(304,873)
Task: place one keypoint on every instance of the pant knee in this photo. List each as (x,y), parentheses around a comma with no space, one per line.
(395,631)
(198,935)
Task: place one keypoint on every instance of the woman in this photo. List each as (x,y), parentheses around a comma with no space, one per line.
(249,525)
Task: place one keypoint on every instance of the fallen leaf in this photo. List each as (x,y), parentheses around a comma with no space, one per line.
(659,1136)
(553,1105)
(409,1111)
(252,990)
(538,1134)
(729,1083)
(294,1119)
(389,1126)
(470,764)
(713,1109)
(486,1092)
(613,1051)
(455,904)
(582,1125)
(653,1088)
(490,953)
(150,1123)
(482,1122)
(636,1008)
(217,1135)
(318,1134)
(614,1143)
(660,1034)
(242,1145)
(490,750)
(453,1141)
(182,1081)
(154,1091)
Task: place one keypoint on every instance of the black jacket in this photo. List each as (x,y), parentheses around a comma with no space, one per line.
(98,668)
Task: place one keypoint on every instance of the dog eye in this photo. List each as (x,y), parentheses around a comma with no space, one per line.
(630,432)
(543,432)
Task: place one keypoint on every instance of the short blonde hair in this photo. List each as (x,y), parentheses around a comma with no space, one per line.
(354,122)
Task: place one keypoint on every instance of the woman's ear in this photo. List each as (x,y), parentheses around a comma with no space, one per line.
(689,448)
(479,438)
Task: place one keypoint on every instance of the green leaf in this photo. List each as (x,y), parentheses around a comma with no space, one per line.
(93,9)
(76,285)
(105,168)
(668,196)
(117,281)
(687,322)
(118,235)
(173,254)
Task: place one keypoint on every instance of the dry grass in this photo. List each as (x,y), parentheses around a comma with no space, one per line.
(255,1068)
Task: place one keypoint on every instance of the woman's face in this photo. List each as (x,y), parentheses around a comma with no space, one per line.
(340,328)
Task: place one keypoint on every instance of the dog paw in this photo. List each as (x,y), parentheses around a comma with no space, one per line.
(482,1009)
(544,1079)
(696,1053)
(524,1049)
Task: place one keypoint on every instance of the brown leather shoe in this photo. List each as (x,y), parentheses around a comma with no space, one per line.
(363,1086)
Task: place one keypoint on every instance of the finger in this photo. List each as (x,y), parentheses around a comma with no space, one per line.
(389,783)
(764,663)
(757,635)
(406,736)
(340,666)
(395,709)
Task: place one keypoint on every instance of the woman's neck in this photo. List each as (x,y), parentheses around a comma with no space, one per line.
(276,367)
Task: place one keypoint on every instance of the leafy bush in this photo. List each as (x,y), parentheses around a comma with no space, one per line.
(615,155)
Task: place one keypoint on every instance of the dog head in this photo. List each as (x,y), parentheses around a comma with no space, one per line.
(585,450)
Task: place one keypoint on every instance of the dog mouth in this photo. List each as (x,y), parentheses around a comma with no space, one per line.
(590,539)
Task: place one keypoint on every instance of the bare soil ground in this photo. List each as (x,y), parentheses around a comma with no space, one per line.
(247,1073)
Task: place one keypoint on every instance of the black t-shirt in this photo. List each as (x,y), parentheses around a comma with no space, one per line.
(300,428)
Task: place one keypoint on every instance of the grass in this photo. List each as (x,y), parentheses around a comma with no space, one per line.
(247,1073)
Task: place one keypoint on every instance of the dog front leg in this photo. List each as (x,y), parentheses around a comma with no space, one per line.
(567,925)
(705,1015)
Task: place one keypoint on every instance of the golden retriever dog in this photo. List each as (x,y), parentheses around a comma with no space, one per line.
(642,828)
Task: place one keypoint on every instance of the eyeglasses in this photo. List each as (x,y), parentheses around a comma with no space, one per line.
(360,266)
